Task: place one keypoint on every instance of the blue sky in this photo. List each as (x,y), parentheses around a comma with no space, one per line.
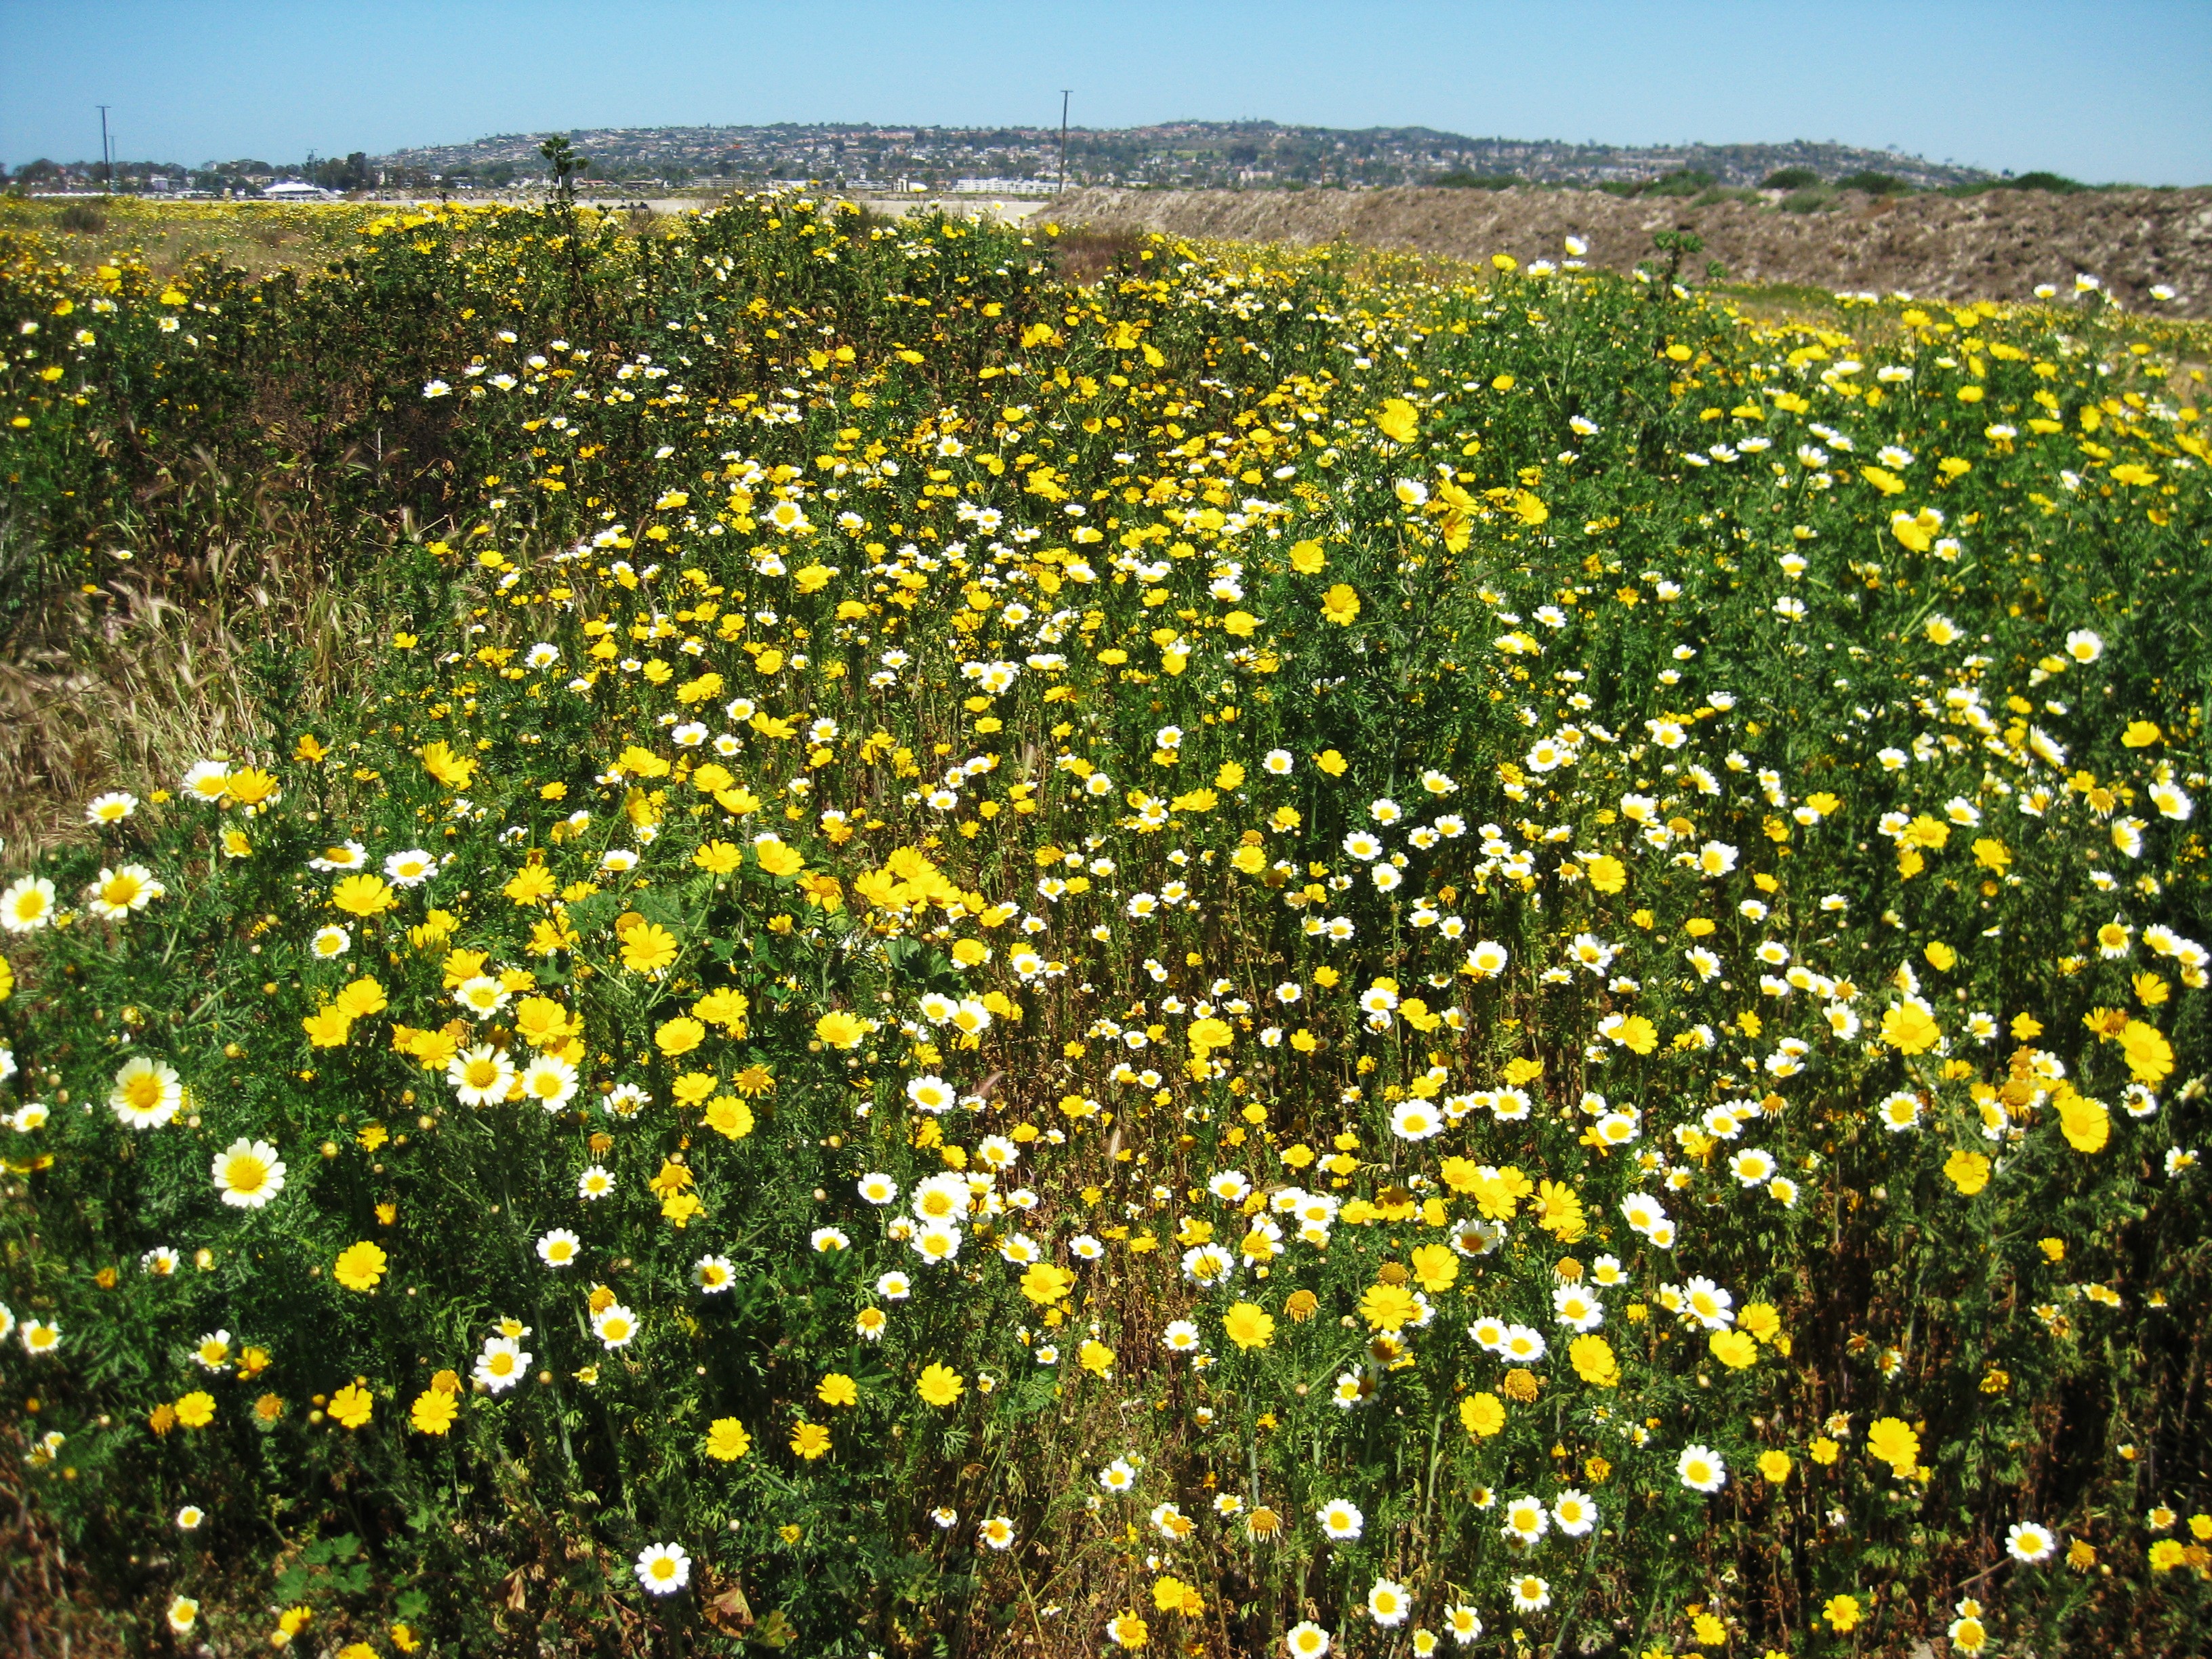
(2098,89)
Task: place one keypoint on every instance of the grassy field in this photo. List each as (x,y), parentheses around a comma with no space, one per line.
(844,937)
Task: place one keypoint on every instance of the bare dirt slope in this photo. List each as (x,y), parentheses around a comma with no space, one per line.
(1996,246)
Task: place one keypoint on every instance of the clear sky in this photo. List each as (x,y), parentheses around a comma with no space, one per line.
(2101,90)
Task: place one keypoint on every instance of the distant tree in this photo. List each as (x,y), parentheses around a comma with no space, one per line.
(351,174)
(1791,179)
(1874,183)
(2056,183)
(560,156)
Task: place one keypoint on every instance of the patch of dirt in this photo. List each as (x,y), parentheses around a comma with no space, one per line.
(1996,246)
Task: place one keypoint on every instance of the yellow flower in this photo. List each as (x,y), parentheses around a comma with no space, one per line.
(1207,1035)
(1734,1349)
(1044,1283)
(1481,1414)
(726,1007)
(1909,1029)
(728,1116)
(541,1022)
(1127,1631)
(433,1410)
(779,859)
(1385,1306)
(726,1440)
(648,947)
(1823,1450)
(1593,1359)
(359,1266)
(939,1385)
(453,770)
(1398,420)
(839,1030)
(1560,1211)
(2149,1056)
(719,858)
(351,1406)
(1435,1268)
(1842,1612)
(1307,558)
(809,1440)
(679,1036)
(531,885)
(1340,605)
(2085,1122)
(1891,1440)
(195,1410)
(1608,874)
(1969,1171)
(1775,1466)
(837,1389)
(363,895)
(1248,1326)
(1172,1595)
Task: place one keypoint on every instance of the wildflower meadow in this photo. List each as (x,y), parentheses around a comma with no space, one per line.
(1250,953)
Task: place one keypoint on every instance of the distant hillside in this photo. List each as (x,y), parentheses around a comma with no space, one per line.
(1186,155)
(1999,243)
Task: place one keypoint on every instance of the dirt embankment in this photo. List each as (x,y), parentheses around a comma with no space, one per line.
(1996,246)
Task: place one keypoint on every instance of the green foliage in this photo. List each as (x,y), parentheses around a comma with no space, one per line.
(1514,790)
(2056,184)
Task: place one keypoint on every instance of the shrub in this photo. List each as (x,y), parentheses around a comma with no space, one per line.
(831,1052)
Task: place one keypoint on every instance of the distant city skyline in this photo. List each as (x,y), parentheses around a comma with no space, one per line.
(2110,93)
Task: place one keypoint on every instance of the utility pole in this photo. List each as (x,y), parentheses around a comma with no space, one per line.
(1063,94)
(107,162)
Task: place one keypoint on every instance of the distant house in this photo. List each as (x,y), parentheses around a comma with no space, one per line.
(297,190)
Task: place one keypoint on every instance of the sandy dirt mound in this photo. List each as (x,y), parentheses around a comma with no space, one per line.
(1996,246)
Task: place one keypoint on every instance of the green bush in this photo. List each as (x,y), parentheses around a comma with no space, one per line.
(1581,940)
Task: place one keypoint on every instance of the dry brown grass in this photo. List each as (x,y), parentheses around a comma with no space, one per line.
(151,672)
(171,235)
